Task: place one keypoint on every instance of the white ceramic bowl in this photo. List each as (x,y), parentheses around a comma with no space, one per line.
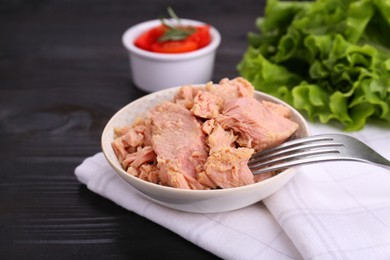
(156,71)
(199,201)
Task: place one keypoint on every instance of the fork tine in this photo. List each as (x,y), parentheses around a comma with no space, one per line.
(295,143)
(293,157)
(296,152)
(267,155)
(301,161)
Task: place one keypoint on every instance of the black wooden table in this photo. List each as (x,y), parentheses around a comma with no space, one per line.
(63,74)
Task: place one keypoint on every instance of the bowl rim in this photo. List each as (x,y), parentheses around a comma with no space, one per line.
(123,174)
(134,31)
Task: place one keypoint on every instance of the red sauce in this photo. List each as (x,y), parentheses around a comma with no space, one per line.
(159,39)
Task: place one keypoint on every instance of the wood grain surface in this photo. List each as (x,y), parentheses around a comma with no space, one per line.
(63,74)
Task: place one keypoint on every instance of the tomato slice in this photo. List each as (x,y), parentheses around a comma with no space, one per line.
(146,39)
(174,46)
(201,36)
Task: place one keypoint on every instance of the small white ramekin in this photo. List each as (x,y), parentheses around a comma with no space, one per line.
(156,71)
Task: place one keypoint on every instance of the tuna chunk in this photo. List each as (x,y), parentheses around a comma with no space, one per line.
(219,137)
(144,155)
(227,167)
(258,127)
(231,89)
(277,108)
(128,137)
(185,96)
(179,144)
(141,156)
(205,180)
(149,172)
(207,105)
(208,126)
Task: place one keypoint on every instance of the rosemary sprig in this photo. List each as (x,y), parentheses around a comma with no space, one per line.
(175,32)
(172,14)
(175,35)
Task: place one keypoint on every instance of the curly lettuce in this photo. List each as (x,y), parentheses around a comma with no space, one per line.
(328,58)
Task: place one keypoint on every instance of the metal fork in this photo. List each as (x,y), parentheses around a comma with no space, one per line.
(315,149)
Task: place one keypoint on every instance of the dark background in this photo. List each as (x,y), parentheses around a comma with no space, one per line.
(63,74)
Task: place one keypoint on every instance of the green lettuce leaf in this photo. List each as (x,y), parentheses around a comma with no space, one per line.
(328,58)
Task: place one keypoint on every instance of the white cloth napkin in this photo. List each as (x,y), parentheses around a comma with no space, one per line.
(335,210)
